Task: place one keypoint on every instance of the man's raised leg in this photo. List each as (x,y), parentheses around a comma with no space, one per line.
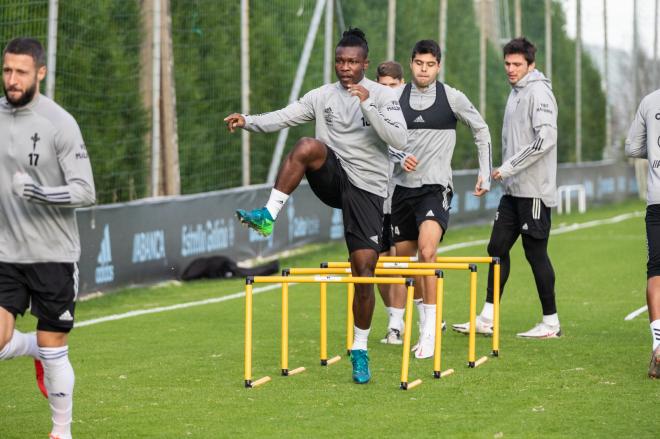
(308,154)
(14,343)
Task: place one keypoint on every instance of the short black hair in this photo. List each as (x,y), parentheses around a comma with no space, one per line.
(522,46)
(390,68)
(354,37)
(426,46)
(27,46)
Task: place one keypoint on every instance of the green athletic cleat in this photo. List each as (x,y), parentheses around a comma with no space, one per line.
(361,372)
(257,219)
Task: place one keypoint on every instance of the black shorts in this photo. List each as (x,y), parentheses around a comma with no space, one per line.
(387,241)
(48,289)
(412,206)
(653,240)
(528,216)
(362,211)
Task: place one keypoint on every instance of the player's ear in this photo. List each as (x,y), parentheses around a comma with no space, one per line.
(41,73)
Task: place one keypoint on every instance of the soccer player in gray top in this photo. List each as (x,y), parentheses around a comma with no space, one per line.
(422,198)
(528,173)
(346,166)
(44,173)
(644,142)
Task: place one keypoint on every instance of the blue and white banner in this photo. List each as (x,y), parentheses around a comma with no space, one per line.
(152,240)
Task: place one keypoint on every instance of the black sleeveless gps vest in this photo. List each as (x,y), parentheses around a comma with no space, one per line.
(438,116)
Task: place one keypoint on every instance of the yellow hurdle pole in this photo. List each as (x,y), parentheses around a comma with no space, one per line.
(248,333)
(405,361)
(350,294)
(412,265)
(437,355)
(496,307)
(248,338)
(442,259)
(329,279)
(473,316)
(285,329)
(377,272)
(324,324)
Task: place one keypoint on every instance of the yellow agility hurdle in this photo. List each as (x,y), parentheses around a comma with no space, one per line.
(494,261)
(285,280)
(472,361)
(350,292)
(437,356)
(323,320)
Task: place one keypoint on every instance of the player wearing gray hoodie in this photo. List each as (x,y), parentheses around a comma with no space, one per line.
(528,173)
(643,142)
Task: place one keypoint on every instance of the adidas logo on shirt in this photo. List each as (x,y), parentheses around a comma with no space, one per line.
(66,316)
(430,213)
(374,238)
(525,227)
(419,119)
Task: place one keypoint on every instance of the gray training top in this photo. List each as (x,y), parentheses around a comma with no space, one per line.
(434,147)
(529,140)
(43,141)
(358,132)
(644,142)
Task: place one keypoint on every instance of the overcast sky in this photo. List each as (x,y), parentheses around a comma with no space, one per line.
(619,22)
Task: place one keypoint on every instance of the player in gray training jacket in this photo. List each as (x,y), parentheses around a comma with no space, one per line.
(644,142)
(528,172)
(346,166)
(422,199)
(44,173)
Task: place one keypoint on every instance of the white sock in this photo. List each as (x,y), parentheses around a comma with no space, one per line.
(487,311)
(276,202)
(396,318)
(360,337)
(420,312)
(429,320)
(59,380)
(551,319)
(655,331)
(20,345)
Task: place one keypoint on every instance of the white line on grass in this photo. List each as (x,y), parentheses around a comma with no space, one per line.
(142,312)
(564,229)
(558,231)
(637,312)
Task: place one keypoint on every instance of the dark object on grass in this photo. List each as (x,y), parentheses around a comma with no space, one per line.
(215,267)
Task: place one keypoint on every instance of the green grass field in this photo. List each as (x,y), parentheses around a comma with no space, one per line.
(179,374)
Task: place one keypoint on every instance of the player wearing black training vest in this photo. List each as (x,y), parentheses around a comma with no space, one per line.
(422,199)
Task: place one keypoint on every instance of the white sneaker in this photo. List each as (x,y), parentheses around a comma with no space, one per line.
(414,348)
(482,326)
(425,346)
(393,336)
(542,330)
